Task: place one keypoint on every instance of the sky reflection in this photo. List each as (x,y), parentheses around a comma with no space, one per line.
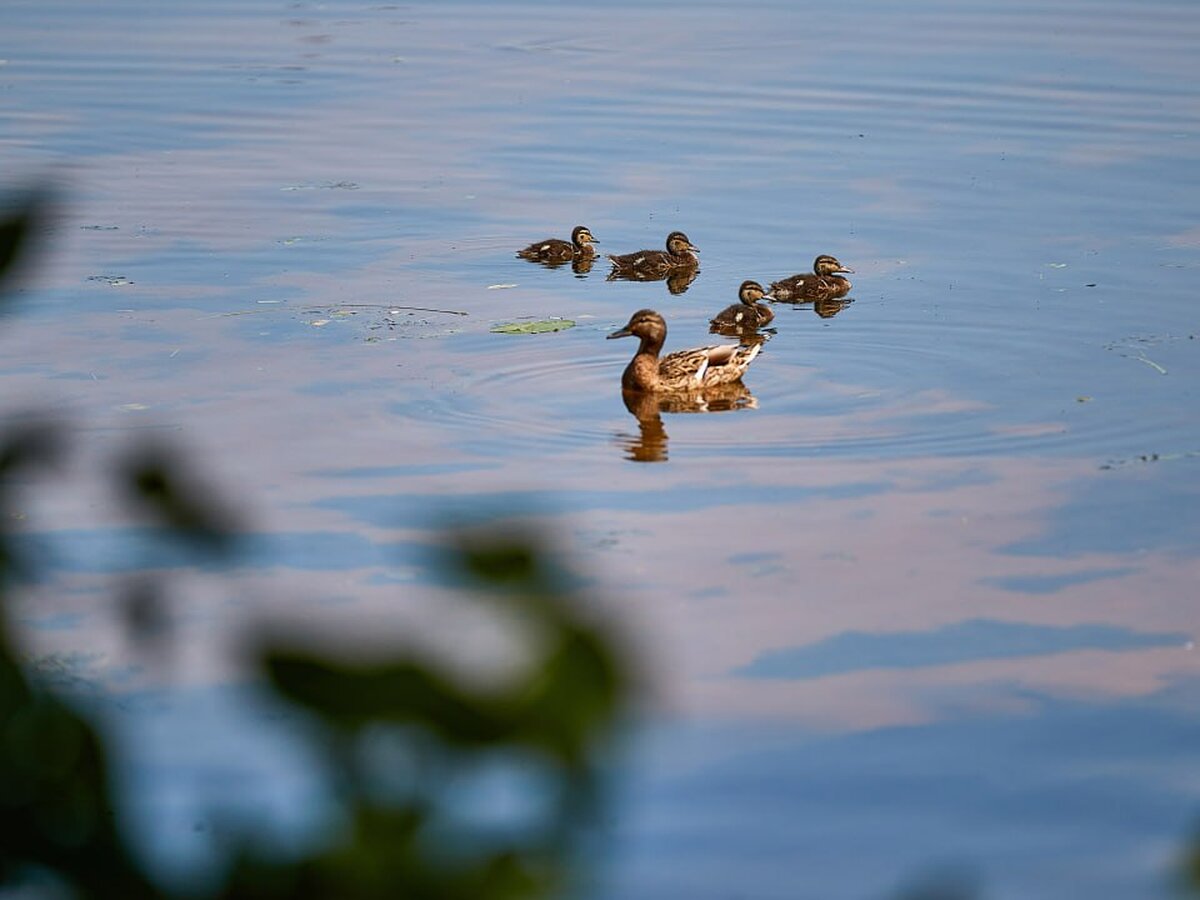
(931,593)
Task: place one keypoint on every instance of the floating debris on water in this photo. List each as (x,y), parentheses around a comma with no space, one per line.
(1144,458)
(114,280)
(402,321)
(1134,344)
(541,326)
(321,186)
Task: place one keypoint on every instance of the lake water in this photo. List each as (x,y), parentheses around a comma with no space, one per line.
(924,602)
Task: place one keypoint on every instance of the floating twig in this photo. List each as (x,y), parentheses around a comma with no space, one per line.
(388,306)
(1151,363)
(1144,458)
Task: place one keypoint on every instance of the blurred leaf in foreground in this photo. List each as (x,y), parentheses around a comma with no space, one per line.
(157,480)
(557,711)
(20,220)
(1190,870)
(55,806)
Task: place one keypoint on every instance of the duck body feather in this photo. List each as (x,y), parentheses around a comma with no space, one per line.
(809,287)
(739,315)
(549,250)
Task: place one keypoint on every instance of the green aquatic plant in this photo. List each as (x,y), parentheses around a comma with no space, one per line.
(541,326)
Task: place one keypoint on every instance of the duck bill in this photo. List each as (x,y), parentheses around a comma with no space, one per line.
(693,247)
(844,269)
(623,332)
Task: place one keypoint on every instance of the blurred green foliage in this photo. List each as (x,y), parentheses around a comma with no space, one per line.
(556,712)
(1190,868)
(943,884)
(14,236)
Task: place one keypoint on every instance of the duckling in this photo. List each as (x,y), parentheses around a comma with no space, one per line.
(555,252)
(683,370)
(651,265)
(822,283)
(749,314)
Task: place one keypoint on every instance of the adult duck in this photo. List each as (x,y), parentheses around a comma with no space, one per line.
(683,370)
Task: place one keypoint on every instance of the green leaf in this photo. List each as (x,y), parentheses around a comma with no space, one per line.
(541,326)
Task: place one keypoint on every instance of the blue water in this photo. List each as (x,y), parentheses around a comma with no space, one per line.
(925,605)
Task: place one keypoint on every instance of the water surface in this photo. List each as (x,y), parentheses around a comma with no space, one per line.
(927,601)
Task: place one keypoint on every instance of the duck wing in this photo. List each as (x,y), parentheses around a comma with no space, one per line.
(705,366)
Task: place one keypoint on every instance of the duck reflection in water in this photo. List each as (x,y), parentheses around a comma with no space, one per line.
(650,443)
(829,308)
(554,252)
(680,280)
(703,379)
(678,265)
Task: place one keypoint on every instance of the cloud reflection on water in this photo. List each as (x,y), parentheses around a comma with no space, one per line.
(925,460)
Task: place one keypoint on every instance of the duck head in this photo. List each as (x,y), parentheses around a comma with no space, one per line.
(645,324)
(828,265)
(751,292)
(677,243)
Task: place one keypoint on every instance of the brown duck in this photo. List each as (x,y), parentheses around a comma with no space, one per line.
(554,251)
(748,314)
(822,283)
(683,370)
(651,265)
